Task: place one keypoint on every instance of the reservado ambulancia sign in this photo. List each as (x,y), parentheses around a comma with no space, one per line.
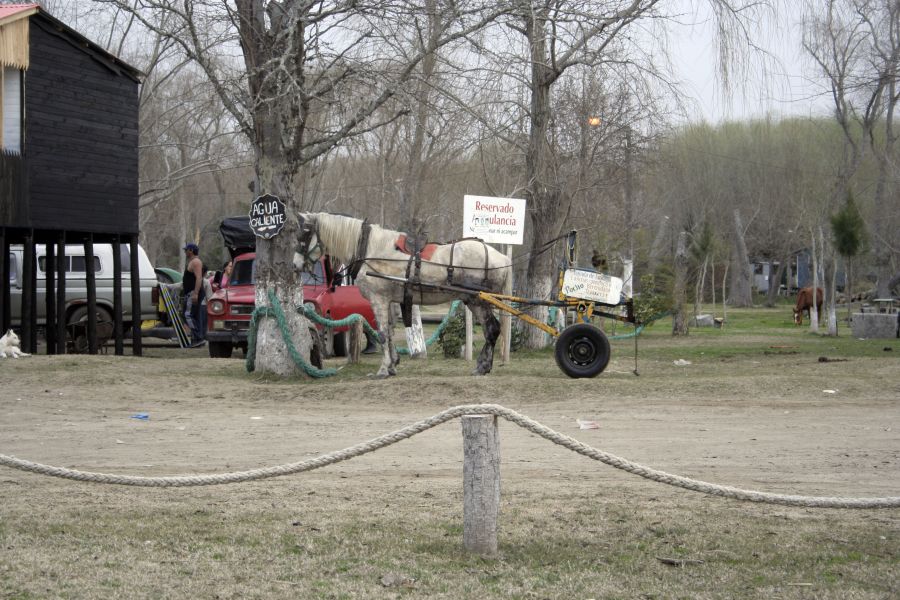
(495,220)
(267,216)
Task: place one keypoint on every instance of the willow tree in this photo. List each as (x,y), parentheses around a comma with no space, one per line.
(311,74)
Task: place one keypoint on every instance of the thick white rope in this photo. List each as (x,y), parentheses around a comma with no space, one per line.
(442,417)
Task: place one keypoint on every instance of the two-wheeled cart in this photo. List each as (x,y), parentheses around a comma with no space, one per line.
(582,349)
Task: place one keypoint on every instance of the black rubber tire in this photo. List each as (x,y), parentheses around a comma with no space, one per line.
(80,314)
(220,349)
(582,350)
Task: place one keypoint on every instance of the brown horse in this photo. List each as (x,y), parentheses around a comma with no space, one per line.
(804,303)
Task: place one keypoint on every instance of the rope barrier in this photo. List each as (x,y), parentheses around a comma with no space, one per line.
(442,417)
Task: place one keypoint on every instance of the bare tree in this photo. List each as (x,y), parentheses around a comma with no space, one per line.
(312,75)
(548,41)
(856,45)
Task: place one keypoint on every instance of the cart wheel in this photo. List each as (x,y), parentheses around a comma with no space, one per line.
(582,350)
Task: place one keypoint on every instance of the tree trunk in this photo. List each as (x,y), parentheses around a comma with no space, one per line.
(411,187)
(775,283)
(742,273)
(275,271)
(679,295)
(813,310)
(548,204)
(657,248)
(830,267)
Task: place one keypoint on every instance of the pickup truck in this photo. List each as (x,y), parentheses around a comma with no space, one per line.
(76,290)
(229,309)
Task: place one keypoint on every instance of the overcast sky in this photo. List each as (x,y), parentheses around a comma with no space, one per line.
(785,84)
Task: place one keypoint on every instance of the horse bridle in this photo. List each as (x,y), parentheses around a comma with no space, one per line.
(310,254)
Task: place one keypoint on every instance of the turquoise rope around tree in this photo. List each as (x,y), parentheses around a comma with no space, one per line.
(310,313)
(438,331)
(276,311)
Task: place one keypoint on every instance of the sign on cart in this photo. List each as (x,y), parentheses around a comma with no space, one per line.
(590,285)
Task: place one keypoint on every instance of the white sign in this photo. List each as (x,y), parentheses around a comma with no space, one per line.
(495,220)
(590,285)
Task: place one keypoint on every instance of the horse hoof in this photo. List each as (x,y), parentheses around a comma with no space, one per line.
(377,375)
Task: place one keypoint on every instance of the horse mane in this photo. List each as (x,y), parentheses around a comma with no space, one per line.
(338,234)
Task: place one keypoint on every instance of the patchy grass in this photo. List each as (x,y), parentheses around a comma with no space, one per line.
(749,411)
(148,545)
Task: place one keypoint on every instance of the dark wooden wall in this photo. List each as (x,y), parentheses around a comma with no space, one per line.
(81,139)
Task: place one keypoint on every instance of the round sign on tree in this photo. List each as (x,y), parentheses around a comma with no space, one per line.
(267,216)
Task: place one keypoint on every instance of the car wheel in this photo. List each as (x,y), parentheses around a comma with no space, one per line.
(220,349)
(582,350)
(77,327)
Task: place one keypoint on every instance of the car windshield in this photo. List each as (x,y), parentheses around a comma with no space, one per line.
(244,273)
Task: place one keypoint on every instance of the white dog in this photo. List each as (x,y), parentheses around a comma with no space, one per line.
(9,345)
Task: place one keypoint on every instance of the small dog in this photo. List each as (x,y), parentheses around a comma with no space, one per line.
(9,345)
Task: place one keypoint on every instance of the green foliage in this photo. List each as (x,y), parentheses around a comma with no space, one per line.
(653,300)
(453,336)
(848,229)
(703,244)
(517,335)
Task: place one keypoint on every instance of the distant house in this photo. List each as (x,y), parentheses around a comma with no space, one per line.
(68,155)
(799,274)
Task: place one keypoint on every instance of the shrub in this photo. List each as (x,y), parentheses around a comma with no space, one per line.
(453,336)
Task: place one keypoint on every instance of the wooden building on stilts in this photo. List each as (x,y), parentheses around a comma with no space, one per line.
(68,175)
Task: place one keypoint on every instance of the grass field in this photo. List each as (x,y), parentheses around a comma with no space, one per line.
(750,410)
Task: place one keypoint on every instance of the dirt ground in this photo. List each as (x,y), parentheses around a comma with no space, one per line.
(766,424)
(773,422)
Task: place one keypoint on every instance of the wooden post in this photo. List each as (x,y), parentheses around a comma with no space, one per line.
(90,284)
(467,351)
(61,267)
(481,483)
(118,333)
(29,295)
(355,338)
(50,296)
(5,312)
(506,318)
(137,348)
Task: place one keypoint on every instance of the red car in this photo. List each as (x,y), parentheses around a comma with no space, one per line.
(229,309)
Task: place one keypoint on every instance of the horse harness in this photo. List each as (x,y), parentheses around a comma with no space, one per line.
(414,247)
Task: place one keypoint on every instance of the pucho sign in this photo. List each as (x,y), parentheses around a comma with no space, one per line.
(267,216)
(495,220)
(590,285)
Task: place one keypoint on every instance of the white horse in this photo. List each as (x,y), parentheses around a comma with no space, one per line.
(467,263)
